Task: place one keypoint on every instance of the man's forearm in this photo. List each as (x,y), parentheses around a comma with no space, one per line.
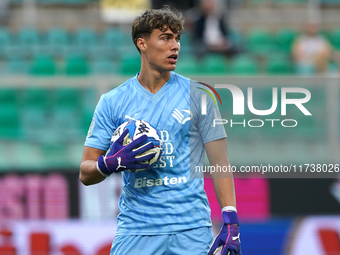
(89,174)
(223,181)
(225,190)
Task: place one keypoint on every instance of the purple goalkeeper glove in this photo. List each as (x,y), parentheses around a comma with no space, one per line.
(229,236)
(121,158)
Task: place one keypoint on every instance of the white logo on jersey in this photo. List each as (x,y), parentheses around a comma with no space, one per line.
(181,117)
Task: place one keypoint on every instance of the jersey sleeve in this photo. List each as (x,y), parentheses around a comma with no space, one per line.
(102,126)
(208,131)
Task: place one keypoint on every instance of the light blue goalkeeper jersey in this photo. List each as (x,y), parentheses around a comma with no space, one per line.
(163,199)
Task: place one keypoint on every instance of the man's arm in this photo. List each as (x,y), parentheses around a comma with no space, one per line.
(89,174)
(223,182)
(228,240)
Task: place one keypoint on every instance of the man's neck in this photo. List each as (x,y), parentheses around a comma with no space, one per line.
(153,80)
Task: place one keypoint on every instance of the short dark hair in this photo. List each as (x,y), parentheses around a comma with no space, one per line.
(162,19)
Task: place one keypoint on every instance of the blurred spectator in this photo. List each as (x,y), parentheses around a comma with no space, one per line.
(211,32)
(311,52)
(4,11)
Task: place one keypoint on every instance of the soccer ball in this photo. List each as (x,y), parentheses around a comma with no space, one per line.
(136,129)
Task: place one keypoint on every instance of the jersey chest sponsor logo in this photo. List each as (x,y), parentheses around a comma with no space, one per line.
(145,182)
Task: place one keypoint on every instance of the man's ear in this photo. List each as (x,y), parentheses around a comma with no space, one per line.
(141,44)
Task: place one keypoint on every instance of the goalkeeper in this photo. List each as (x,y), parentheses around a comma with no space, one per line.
(163,210)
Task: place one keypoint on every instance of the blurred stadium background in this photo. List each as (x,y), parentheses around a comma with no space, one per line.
(58,56)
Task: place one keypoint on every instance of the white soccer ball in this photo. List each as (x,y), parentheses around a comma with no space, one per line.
(136,129)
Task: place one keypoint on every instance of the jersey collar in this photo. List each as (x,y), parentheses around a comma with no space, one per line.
(148,94)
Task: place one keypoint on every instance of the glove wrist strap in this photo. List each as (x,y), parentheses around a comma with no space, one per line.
(229,208)
(230,217)
(101,167)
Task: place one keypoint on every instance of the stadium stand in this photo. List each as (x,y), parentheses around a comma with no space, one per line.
(335,38)
(278,65)
(76,65)
(85,50)
(36,104)
(130,65)
(81,50)
(284,38)
(189,66)
(10,127)
(244,65)
(43,65)
(260,42)
(113,39)
(28,41)
(53,72)
(5,40)
(214,65)
(56,41)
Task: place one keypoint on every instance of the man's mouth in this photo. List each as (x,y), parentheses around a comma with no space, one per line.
(173,58)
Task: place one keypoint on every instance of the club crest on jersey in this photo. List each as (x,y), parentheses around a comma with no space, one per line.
(182,115)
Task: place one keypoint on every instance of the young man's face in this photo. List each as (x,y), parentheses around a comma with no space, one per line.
(162,49)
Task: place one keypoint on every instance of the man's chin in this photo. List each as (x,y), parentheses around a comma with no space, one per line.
(172,68)
(168,69)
